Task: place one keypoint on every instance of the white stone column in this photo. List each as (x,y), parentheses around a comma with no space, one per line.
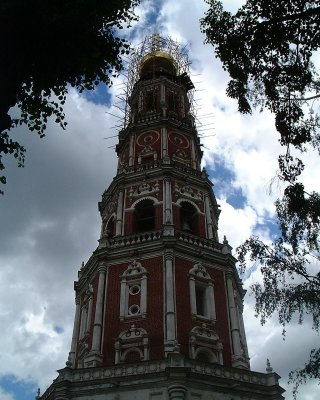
(193,154)
(192,288)
(97,327)
(170,313)
(235,329)
(143,296)
(75,332)
(123,298)
(242,332)
(119,213)
(94,358)
(164,140)
(212,309)
(167,202)
(163,103)
(131,151)
(208,217)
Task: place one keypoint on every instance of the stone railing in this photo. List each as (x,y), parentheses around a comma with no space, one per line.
(177,361)
(185,169)
(151,236)
(198,241)
(137,238)
(179,166)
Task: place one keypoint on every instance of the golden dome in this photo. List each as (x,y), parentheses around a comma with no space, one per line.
(157,61)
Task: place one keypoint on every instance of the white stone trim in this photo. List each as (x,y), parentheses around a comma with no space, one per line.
(86,310)
(208,219)
(135,274)
(133,205)
(203,339)
(97,328)
(199,277)
(119,218)
(132,339)
(171,344)
(74,340)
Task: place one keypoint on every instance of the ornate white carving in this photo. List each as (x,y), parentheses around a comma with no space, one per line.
(147,151)
(134,275)
(199,279)
(199,271)
(133,339)
(205,340)
(144,188)
(134,268)
(187,192)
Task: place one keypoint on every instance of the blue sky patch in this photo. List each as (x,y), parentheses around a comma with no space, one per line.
(22,390)
(223,179)
(100,95)
(58,329)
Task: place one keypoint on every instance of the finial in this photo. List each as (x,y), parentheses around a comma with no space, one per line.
(225,241)
(38,394)
(82,264)
(269,369)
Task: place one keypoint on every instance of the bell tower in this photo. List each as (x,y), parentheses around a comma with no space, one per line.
(159,303)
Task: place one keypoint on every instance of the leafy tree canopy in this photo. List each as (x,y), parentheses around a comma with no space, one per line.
(47,45)
(267,49)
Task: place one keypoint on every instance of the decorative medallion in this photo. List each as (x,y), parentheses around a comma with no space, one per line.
(148,138)
(179,140)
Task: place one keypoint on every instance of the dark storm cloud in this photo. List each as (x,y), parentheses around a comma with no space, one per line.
(49,224)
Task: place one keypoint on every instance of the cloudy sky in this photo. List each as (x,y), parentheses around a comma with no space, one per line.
(50,221)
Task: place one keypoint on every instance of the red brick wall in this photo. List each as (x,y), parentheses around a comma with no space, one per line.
(173,146)
(88,338)
(153,323)
(139,144)
(184,320)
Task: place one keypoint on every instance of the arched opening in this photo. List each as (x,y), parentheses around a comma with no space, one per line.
(203,356)
(132,356)
(188,217)
(145,216)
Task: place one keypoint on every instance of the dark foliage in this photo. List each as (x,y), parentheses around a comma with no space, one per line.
(47,45)
(267,47)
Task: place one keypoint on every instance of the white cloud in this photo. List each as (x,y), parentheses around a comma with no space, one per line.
(50,220)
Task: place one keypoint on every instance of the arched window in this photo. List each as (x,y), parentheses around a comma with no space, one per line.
(151,100)
(204,356)
(201,293)
(145,215)
(132,345)
(133,292)
(188,217)
(205,345)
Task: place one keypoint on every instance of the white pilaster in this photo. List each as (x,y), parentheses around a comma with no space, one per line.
(123,298)
(167,202)
(235,329)
(170,313)
(131,151)
(119,213)
(143,294)
(94,358)
(212,306)
(75,332)
(208,218)
(192,287)
(193,155)
(97,327)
